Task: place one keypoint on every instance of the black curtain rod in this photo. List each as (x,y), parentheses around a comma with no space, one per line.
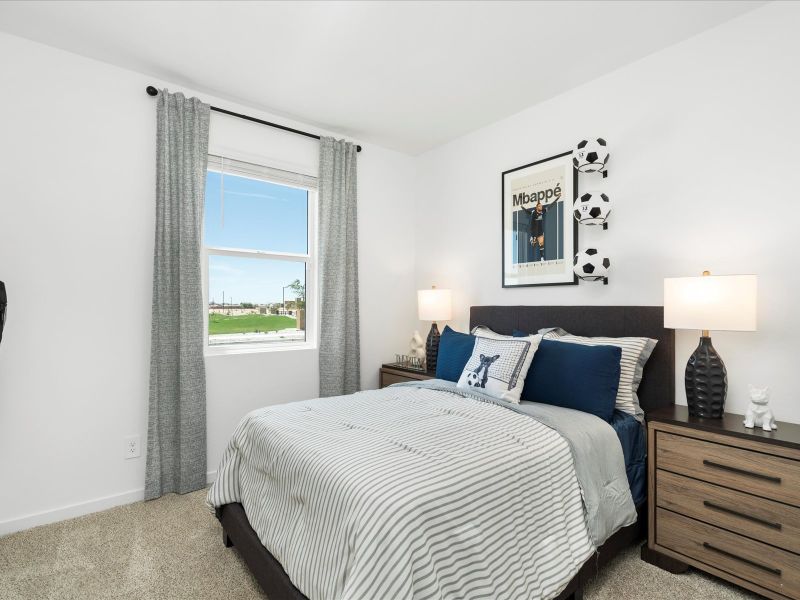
(152,91)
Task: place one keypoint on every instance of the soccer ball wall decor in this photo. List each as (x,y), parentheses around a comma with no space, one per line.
(592,265)
(592,208)
(591,156)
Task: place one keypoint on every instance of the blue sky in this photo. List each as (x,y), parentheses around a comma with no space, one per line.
(257,216)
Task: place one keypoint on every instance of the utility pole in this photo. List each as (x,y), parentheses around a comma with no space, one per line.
(283,291)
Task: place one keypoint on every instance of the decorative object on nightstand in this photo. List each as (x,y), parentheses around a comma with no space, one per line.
(592,208)
(726,303)
(409,362)
(758,413)
(591,156)
(592,265)
(725,500)
(434,305)
(417,346)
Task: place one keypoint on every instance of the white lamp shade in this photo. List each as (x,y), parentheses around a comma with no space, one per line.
(713,302)
(435,305)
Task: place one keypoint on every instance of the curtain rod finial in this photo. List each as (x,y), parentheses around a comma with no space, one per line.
(151,91)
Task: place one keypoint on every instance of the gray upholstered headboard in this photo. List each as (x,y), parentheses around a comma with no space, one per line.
(658,383)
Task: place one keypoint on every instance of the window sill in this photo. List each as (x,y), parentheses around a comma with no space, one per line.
(230,349)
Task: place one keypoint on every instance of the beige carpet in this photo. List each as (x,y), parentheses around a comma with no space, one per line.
(172,549)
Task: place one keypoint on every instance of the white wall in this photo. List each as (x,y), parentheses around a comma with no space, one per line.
(76,241)
(704,140)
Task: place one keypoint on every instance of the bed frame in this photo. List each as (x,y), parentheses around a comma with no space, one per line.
(656,390)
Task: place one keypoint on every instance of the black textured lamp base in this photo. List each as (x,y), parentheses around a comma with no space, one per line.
(432,349)
(706,382)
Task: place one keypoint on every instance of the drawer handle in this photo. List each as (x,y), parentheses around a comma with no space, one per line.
(739,471)
(742,515)
(747,561)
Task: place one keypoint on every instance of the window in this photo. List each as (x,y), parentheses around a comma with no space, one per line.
(259,254)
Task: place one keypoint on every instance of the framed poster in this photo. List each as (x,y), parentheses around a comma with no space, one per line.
(540,236)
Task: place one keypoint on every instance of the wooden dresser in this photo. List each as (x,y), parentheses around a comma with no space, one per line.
(393,374)
(725,499)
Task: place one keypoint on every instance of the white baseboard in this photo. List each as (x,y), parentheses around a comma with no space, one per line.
(77,510)
(71,511)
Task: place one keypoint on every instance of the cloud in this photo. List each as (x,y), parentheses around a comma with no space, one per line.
(223,269)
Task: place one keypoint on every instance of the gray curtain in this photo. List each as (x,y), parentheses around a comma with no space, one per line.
(339,360)
(176,430)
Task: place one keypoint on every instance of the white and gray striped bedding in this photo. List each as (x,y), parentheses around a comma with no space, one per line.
(409,493)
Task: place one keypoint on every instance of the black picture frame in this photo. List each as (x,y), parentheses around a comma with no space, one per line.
(572,175)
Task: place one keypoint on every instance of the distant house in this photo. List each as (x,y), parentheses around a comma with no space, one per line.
(233,310)
(288,309)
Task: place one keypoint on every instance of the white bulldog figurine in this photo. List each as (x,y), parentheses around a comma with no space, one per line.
(758,413)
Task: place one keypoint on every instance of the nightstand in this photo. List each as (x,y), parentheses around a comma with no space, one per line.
(725,499)
(394,374)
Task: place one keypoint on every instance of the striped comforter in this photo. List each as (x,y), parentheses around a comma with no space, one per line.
(408,493)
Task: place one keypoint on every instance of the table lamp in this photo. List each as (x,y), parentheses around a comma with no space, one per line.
(722,303)
(434,305)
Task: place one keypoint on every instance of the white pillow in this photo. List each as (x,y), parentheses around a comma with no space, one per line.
(483,331)
(498,364)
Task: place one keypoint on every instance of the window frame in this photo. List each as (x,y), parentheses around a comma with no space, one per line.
(309,259)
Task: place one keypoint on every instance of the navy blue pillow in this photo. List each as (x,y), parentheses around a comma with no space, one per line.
(575,376)
(454,351)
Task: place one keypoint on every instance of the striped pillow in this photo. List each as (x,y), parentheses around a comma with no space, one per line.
(635,352)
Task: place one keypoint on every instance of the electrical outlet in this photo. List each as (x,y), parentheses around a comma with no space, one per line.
(133,447)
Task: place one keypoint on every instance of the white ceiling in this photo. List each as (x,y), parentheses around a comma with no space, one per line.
(405,75)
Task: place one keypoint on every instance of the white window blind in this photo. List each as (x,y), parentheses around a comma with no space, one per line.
(245,169)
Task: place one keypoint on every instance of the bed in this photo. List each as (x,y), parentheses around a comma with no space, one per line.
(656,390)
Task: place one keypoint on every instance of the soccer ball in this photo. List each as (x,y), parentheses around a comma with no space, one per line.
(590,156)
(592,208)
(591,265)
(473,379)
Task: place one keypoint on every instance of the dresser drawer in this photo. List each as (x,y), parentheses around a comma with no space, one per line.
(768,567)
(390,378)
(765,475)
(771,522)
